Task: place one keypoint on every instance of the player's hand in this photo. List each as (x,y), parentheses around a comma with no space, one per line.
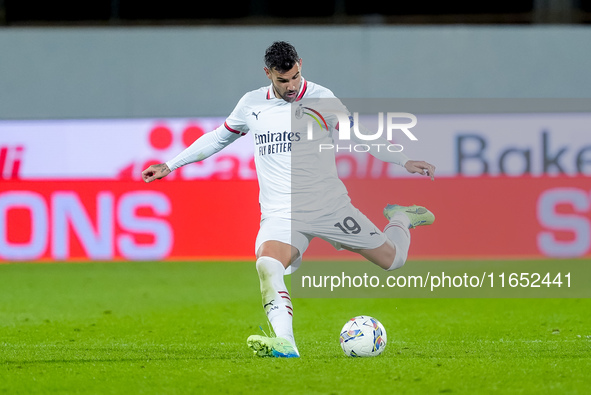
(420,167)
(155,172)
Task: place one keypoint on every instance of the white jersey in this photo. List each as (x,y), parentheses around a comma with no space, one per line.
(295,178)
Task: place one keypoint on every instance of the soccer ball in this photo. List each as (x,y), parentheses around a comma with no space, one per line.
(363,336)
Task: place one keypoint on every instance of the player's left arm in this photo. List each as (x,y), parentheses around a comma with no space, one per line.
(379,149)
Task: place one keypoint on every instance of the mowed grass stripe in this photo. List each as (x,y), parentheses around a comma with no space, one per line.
(168,328)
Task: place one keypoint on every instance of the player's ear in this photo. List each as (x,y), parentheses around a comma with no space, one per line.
(267,72)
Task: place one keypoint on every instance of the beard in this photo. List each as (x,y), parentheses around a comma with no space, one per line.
(288,96)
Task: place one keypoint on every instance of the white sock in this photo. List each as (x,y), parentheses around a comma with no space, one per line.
(276,300)
(398,233)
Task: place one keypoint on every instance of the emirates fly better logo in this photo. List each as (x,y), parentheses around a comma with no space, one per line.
(346,122)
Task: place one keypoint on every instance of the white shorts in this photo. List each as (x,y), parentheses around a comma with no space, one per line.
(346,227)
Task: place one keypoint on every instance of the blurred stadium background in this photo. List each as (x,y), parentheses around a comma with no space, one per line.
(265,11)
(92,92)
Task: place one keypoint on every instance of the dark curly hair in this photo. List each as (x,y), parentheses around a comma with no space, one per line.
(281,56)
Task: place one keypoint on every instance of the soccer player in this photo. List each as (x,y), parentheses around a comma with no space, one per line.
(287,227)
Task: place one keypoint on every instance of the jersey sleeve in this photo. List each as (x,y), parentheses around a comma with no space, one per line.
(334,110)
(395,156)
(236,121)
(202,148)
(210,143)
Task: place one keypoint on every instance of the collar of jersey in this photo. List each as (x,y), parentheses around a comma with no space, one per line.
(303,89)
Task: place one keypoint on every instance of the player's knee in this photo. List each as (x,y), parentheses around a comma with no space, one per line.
(399,259)
(264,266)
(271,273)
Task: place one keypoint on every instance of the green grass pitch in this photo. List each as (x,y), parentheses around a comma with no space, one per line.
(181,328)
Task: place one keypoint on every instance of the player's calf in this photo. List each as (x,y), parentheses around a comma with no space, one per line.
(399,235)
(403,218)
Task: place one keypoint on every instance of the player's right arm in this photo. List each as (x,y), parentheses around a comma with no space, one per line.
(205,146)
(202,148)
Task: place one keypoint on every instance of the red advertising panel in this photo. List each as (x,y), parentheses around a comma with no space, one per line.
(93,220)
(491,216)
(179,220)
(508,185)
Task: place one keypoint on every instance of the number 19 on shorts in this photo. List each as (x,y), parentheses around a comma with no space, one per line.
(349,226)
